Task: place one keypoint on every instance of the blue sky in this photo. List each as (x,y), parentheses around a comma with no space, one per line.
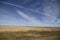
(30,12)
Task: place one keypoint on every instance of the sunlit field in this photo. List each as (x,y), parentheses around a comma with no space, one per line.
(29,33)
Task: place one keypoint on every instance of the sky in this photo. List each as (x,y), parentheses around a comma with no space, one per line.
(30,12)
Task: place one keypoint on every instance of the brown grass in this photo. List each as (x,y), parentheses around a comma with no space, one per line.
(26,28)
(29,33)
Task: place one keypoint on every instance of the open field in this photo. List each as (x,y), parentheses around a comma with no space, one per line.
(29,33)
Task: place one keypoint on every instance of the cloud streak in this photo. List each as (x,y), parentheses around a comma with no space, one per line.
(51,9)
(31,10)
(31,19)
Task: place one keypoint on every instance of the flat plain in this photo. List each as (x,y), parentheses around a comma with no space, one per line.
(29,33)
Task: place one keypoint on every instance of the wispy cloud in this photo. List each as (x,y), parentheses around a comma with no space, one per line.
(51,9)
(31,19)
(49,15)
